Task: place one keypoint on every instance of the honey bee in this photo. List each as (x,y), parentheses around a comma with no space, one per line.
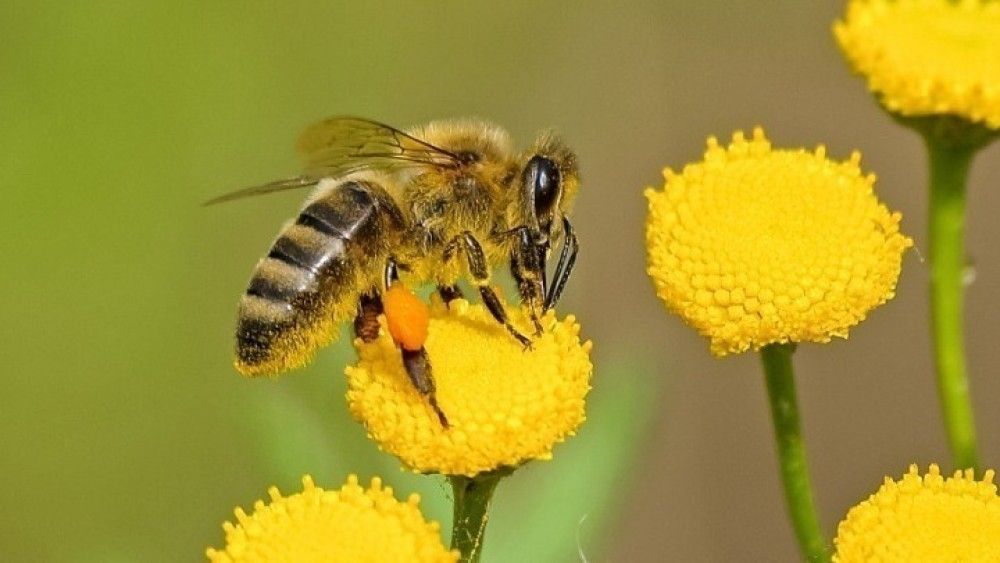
(434,204)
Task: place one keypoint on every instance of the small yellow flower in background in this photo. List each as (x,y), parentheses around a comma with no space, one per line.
(505,405)
(352,524)
(755,246)
(929,518)
(927,57)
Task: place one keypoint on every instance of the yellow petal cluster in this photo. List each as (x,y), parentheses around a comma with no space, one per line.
(927,57)
(352,524)
(754,246)
(505,404)
(927,518)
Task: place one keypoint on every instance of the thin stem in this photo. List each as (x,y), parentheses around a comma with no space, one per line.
(777,360)
(949,168)
(471,512)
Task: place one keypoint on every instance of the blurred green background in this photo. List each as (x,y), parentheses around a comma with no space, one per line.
(125,435)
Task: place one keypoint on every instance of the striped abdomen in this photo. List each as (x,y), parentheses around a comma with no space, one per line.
(311,279)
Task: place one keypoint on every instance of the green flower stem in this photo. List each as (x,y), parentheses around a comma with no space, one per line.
(949,168)
(472,503)
(777,360)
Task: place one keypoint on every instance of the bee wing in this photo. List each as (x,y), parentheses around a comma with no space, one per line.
(341,145)
(270,187)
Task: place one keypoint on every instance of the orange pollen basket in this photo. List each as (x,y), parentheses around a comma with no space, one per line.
(407,317)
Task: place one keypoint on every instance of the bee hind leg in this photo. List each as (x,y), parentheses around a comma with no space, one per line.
(415,360)
(418,367)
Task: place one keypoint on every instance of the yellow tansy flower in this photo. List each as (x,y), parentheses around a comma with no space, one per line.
(754,246)
(505,405)
(927,57)
(927,518)
(352,524)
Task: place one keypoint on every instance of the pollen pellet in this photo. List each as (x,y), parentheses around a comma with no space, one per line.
(407,317)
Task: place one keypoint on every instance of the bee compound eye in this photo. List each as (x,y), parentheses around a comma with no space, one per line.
(545,177)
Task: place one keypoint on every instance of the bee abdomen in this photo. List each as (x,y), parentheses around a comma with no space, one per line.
(345,216)
(308,281)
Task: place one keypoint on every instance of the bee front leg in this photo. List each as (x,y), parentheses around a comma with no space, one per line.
(567,259)
(527,266)
(479,270)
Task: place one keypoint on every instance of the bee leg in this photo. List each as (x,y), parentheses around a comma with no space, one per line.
(391,273)
(492,302)
(366,324)
(418,367)
(416,362)
(481,278)
(449,293)
(527,266)
(567,259)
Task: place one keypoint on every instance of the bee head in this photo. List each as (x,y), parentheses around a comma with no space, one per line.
(548,183)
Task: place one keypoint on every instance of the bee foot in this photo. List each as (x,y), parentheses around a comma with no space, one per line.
(440,414)
(524,340)
(449,293)
(538,328)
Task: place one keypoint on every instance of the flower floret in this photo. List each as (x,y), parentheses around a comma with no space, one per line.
(505,404)
(927,57)
(350,524)
(754,246)
(924,518)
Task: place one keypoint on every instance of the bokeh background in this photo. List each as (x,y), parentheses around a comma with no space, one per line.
(125,435)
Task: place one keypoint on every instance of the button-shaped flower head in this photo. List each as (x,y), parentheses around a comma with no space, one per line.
(927,57)
(754,246)
(924,518)
(505,404)
(346,525)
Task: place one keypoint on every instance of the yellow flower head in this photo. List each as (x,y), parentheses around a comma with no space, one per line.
(347,525)
(505,405)
(927,57)
(754,246)
(927,518)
